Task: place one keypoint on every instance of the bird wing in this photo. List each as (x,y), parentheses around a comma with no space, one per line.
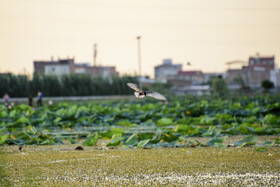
(155,95)
(134,87)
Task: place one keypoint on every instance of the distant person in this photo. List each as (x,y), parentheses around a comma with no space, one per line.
(6,99)
(40,99)
(30,100)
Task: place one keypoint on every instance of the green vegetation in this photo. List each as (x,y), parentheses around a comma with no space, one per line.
(66,85)
(219,87)
(189,141)
(143,123)
(267,85)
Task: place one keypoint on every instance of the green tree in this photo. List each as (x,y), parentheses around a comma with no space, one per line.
(219,87)
(244,89)
(65,85)
(267,85)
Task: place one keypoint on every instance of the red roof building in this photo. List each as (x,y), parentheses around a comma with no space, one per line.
(261,68)
(258,69)
(195,77)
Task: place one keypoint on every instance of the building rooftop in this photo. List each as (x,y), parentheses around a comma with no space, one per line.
(82,64)
(262,57)
(59,61)
(190,73)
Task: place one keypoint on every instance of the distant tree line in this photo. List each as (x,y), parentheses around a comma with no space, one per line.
(65,85)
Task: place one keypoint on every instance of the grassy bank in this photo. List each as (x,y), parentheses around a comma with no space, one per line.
(62,165)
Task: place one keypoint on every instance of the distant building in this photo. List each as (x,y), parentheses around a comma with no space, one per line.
(262,68)
(59,67)
(186,78)
(234,76)
(191,89)
(257,70)
(146,81)
(82,68)
(195,77)
(209,76)
(103,71)
(167,70)
(173,73)
(68,66)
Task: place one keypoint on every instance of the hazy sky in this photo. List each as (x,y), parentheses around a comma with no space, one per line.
(207,33)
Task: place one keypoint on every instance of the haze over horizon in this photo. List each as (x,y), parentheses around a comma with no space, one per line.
(206,33)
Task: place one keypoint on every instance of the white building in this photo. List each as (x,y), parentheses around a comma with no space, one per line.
(68,66)
(192,90)
(167,70)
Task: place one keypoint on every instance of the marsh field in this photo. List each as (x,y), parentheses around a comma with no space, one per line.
(189,141)
(62,165)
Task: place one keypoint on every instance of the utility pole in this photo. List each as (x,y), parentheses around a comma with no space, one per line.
(94,54)
(139,59)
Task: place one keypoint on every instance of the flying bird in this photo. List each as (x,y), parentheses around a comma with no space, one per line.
(141,94)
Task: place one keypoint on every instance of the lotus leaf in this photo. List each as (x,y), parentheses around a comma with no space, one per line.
(276,141)
(214,140)
(3,114)
(220,145)
(126,123)
(132,140)
(212,131)
(3,138)
(261,149)
(169,137)
(249,140)
(144,136)
(156,139)
(91,140)
(164,122)
(116,140)
(12,114)
(207,120)
(111,132)
(72,141)
(23,120)
(142,143)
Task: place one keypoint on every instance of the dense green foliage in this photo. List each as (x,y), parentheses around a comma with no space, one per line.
(141,122)
(267,84)
(219,87)
(66,85)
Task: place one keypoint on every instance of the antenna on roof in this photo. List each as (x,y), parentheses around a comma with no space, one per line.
(94,54)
